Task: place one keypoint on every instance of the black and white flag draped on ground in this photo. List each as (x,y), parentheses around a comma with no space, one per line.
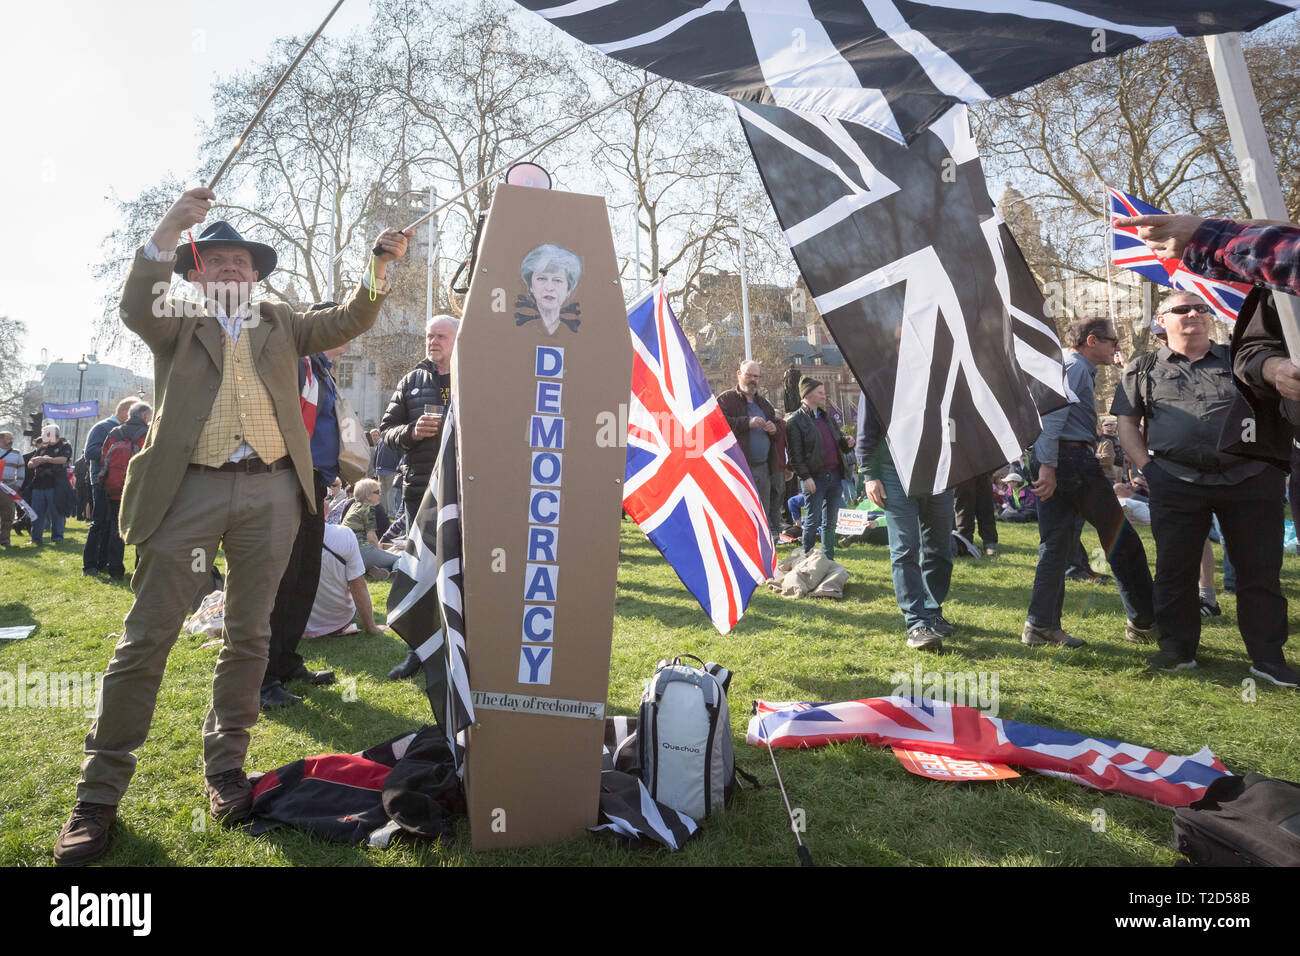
(894,66)
(928,299)
(425,605)
(626,808)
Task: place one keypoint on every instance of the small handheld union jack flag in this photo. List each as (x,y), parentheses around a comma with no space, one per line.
(1129,251)
(687,483)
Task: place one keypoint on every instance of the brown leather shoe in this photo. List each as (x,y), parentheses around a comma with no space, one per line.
(84,838)
(230,796)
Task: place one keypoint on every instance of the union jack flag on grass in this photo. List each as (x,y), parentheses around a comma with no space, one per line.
(687,483)
(1129,251)
(936,726)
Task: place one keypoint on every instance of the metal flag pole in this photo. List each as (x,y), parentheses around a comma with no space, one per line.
(329,272)
(433,243)
(1108,246)
(1254,159)
(521,157)
(744,285)
(267,102)
(239,142)
(636,230)
(801,851)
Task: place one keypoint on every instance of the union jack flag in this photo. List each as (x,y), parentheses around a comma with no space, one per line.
(1129,251)
(309,396)
(687,483)
(936,726)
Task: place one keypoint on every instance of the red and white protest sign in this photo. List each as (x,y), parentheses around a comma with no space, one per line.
(939,767)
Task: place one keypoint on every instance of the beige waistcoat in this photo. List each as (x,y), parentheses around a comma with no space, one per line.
(241,411)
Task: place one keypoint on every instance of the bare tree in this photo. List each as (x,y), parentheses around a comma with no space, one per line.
(437,96)
(432,92)
(1147,121)
(674,159)
(478,86)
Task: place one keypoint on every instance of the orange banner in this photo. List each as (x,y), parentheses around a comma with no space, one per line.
(938,767)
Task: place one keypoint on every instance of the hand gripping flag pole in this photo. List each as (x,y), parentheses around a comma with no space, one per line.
(239,142)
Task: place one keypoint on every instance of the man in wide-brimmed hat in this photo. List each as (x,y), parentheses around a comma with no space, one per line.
(226,464)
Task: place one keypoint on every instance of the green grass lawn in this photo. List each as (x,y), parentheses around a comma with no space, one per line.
(860,806)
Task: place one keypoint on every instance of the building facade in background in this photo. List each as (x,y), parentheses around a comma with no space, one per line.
(375,362)
(62,382)
(786,331)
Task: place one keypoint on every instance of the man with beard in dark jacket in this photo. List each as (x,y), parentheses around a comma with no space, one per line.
(410,428)
(761,435)
(132,430)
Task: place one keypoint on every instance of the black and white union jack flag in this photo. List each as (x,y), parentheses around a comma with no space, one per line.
(1038,350)
(913,275)
(894,66)
(425,604)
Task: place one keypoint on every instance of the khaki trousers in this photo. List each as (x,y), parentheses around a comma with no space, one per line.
(255,518)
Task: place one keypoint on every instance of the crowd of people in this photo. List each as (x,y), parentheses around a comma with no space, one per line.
(1166,458)
(244,454)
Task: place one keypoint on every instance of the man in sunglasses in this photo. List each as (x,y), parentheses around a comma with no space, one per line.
(1070,483)
(1184,391)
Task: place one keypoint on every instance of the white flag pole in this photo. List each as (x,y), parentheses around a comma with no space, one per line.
(636,230)
(1254,158)
(433,247)
(329,269)
(284,78)
(744,286)
(1109,245)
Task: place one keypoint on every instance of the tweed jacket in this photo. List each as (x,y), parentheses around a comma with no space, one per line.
(186,345)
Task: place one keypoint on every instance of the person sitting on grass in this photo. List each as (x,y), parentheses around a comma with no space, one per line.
(341,594)
(1136,510)
(795,505)
(360,519)
(1018,501)
(338,502)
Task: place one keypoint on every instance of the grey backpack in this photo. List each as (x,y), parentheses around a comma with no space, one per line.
(684,737)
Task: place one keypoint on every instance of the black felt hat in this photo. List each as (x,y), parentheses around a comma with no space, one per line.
(223,233)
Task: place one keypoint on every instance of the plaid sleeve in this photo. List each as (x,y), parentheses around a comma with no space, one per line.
(1226,250)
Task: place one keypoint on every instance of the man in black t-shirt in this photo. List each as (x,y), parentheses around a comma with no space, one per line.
(1185,391)
(48,464)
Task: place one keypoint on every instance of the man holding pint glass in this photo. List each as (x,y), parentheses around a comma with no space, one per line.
(413,425)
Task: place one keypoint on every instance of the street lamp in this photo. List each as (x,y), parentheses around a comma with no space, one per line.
(81,380)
